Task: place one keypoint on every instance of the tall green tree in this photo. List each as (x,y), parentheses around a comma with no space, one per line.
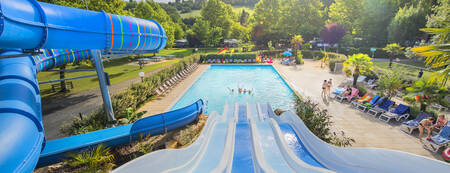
(305,17)
(219,14)
(406,24)
(152,10)
(358,64)
(266,16)
(376,17)
(346,13)
(393,49)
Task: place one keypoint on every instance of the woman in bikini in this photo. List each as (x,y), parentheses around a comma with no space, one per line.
(329,87)
(440,122)
(324,88)
(426,124)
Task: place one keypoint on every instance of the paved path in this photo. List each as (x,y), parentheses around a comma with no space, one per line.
(366,130)
(60,110)
(164,103)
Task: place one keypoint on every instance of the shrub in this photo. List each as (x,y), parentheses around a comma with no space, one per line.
(414,111)
(362,90)
(93,160)
(308,54)
(319,122)
(247,56)
(273,53)
(299,58)
(389,83)
(332,62)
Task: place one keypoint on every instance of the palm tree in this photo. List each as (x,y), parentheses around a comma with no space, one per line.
(428,91)
(437,54)
(92,159)
(296,42)
(358,63)
(393,50)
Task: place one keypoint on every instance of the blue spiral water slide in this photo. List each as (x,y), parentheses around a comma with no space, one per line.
(63,35)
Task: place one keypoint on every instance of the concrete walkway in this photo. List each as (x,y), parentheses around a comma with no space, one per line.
(61,110)
(164,103)
(307,79)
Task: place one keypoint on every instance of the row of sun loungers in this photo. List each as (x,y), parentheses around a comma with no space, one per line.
(170,83)
(383,106)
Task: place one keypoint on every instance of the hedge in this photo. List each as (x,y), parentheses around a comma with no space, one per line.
(227,58)
(134,97)
(309,54)
(271,53)
(332,61)
(379,53)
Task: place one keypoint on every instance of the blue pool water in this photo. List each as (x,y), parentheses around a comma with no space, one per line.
(214,86)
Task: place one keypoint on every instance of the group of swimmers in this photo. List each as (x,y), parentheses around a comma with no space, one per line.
(241,90)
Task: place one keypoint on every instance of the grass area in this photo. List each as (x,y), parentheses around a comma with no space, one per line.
(409,72)
(193,13)
(414,63)
(119,70)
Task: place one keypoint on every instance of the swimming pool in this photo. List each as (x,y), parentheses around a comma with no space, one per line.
(216,83)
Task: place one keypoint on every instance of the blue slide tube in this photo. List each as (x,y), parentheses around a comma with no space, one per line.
(21,133)
(28,24)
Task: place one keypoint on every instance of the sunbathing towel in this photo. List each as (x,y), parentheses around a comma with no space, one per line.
(442,137)
(338,91)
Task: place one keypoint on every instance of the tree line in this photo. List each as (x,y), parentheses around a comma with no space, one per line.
(351,23)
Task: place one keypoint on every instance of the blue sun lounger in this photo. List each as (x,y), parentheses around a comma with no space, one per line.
(438,141)
(401,111)
(411,125)
(381,108)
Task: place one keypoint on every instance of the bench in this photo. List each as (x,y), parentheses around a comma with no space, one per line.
(55,87)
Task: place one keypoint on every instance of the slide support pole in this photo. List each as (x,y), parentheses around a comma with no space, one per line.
(97,57)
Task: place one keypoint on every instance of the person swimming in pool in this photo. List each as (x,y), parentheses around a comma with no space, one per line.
(240,90)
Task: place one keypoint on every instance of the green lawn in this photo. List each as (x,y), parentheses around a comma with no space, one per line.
(118,70)
(409,72)
(193,13)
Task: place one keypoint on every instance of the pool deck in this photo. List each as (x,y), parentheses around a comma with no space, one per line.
(307,80)
(163,103)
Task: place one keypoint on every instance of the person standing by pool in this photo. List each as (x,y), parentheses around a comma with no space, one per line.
(324,88)
(330,84)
